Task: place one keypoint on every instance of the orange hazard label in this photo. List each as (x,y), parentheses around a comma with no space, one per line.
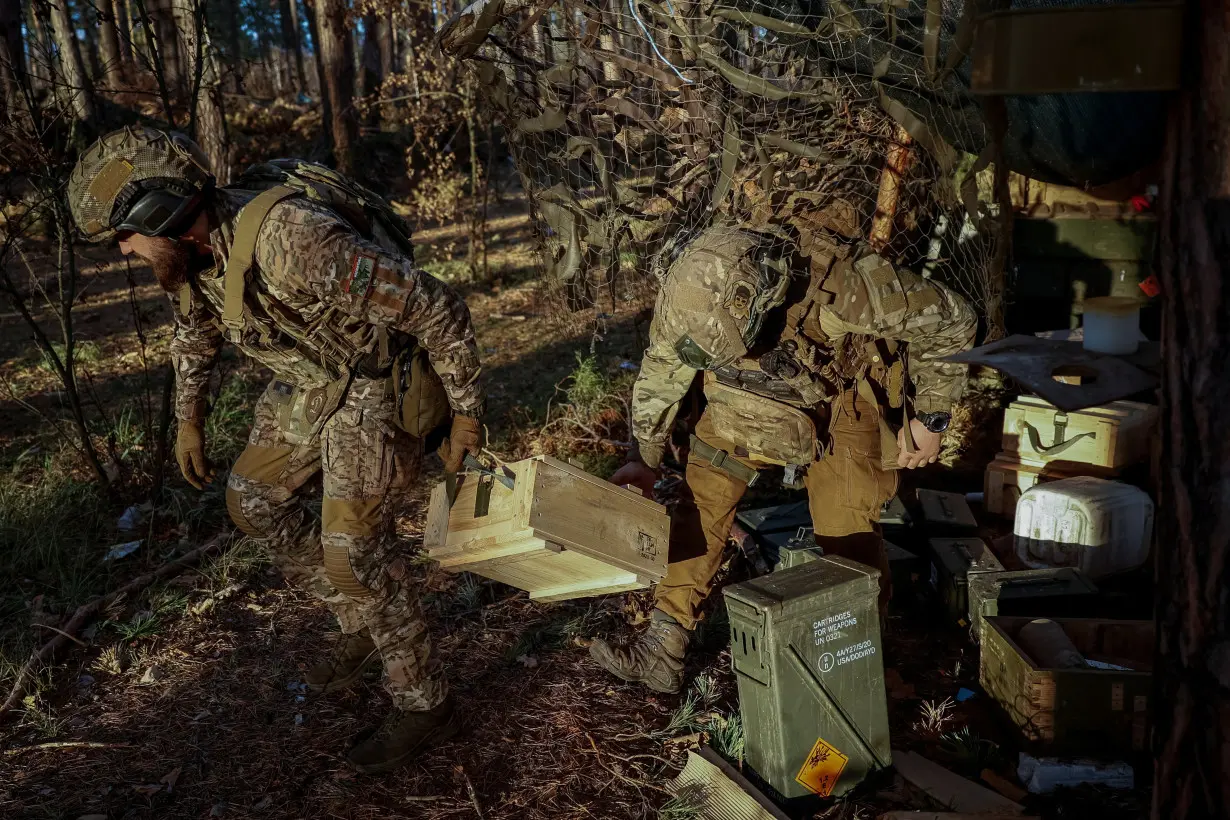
(822,768)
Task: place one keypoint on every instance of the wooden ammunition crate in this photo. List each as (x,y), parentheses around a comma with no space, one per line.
(1074,711)
(559,533)
(1109,437)
(1007,479)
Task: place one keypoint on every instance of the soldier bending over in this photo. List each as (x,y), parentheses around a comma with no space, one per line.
(801,371)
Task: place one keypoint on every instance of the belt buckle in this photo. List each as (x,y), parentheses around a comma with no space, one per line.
(718,458)
(754,479)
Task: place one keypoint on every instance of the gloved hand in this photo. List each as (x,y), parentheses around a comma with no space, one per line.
(637,474)
(465,437)
(190,453)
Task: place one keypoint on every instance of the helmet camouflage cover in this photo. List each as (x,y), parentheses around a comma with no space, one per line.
(121,167)
(715,296)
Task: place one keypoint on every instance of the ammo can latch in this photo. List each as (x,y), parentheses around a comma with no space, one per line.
(747,647)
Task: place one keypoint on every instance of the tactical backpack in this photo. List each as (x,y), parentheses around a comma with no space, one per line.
(423,406)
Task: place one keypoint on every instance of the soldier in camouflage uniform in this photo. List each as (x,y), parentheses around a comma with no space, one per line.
(328,301)
(805,372)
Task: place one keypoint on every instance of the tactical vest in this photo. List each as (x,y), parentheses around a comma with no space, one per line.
(342,345)
(806,369)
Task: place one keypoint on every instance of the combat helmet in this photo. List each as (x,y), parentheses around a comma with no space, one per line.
(138,179)
(716,294)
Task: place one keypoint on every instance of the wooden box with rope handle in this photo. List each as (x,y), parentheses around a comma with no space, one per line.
(549,528)
(1042,443)
(1110,437)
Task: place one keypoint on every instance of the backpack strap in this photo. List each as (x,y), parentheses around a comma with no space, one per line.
(243,246)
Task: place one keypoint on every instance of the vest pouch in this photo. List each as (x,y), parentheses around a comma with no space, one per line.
(422,402)
(768,429)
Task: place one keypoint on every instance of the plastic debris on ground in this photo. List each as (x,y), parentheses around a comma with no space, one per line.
(964,694)
(131,519)
(1042,775)
(122,550)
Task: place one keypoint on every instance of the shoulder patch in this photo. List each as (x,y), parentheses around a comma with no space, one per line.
(362,272)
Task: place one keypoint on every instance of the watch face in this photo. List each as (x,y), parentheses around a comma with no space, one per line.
(937,422)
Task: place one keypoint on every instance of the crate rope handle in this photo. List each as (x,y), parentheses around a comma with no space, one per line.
(1059,445)
(474,465)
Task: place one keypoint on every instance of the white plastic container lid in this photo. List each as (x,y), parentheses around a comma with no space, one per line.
(1112,325)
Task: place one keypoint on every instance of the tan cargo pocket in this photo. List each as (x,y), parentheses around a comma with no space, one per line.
(767,428)
(422,402)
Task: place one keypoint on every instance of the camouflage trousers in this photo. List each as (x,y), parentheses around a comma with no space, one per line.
(845,491)
(349,559)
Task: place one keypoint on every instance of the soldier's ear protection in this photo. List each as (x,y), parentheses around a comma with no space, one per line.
(157,207)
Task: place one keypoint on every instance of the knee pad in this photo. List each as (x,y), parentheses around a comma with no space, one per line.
(234,506)
(340,572)
(343,520)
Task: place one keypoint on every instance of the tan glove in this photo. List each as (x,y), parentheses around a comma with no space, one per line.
(465,437)
(190,453)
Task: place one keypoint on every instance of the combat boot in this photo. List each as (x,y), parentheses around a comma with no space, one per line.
(345,665)
(402,736)
(656,659)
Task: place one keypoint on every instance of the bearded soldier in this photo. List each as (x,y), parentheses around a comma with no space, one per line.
(805,372)
(313,277)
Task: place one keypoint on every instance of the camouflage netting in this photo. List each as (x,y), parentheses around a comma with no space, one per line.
(636,123)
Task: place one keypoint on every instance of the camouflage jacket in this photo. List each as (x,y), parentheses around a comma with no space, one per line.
(305,259)
(868,297)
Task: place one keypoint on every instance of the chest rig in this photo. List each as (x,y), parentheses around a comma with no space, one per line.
(806,367)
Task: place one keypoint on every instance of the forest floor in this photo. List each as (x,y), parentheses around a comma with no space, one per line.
(185,700)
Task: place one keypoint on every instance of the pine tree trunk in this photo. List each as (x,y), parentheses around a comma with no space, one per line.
(72,69)
(109,40)
(388,55)
(208,125)
(1191,704)
(337,54)
(12,58)
(322,85)
(289,12)
(123,30)
(39,65)
(372,75)
(88,24)
(166,39)
(234,47)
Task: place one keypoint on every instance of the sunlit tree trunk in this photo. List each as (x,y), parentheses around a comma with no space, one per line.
(163,29)
(1191,704)
(76,83)
(322,85)
(337,54)
(289,13)
(388,54)
(109,41)
(207,125)
(123,31)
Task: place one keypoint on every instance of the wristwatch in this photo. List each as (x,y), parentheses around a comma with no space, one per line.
(935,422)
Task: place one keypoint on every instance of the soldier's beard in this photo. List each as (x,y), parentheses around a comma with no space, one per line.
(170,261)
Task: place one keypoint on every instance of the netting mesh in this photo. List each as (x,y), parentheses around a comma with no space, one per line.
(634,124)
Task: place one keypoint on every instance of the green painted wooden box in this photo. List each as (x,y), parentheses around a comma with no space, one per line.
(1074,711)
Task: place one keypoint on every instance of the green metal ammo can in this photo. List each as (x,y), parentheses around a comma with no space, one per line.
(957,562)
(806,650)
